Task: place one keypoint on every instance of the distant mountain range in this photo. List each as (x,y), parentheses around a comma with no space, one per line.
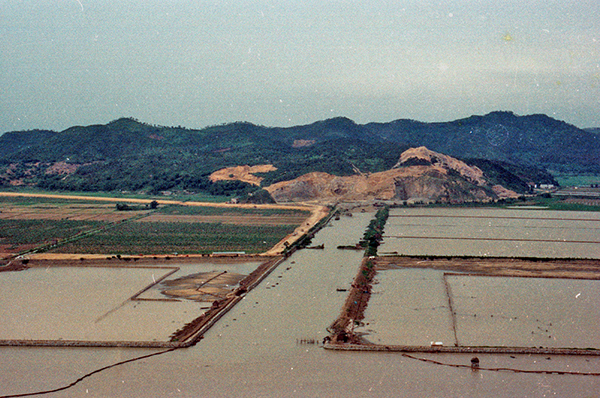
(129,155)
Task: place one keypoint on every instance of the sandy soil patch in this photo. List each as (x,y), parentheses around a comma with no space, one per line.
(62,168)
(303,143)
(242,173)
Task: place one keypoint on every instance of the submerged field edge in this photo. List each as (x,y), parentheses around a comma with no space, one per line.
(463,350)
(96,344)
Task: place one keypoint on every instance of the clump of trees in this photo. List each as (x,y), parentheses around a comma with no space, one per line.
(128,207)
(261,196)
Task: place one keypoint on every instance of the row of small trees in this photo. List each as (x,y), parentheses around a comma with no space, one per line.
(374,233)
(147,206)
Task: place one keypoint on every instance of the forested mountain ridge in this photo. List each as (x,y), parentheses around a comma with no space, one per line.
(129,155)
(536,140)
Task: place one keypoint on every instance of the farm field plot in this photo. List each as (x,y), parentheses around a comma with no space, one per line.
(492,232)
(27,223)
(111,302)
(63,211)
(87,303)
(533,282)
(178,237)
(525,312)
(20,235)
(408,307)
(237,216)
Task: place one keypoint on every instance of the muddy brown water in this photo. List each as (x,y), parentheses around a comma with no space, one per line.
(93,303)
(253,350)
(411,307)
(493,232)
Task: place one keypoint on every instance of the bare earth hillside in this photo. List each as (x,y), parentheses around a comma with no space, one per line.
(441,162)
(242,173)
(419,175)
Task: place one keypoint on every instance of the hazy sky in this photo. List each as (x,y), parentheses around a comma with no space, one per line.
(281,63)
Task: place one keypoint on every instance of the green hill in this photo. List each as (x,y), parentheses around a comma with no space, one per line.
(129,155)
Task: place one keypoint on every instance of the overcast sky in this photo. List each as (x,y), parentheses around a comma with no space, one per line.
(282,63)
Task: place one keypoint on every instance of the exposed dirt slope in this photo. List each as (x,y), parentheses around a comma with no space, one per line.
(242,173)
(441,162)
(420,174)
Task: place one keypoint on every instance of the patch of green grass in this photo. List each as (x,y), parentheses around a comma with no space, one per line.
(197,197)
(549,202)
(555,203)
(32,201)
(577,180)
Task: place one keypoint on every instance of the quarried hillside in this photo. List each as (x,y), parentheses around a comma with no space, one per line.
(419,175)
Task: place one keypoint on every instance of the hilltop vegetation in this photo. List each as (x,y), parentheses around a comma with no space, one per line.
(127,155)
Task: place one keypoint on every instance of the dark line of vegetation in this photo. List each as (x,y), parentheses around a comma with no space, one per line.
(129,207)
(374,233)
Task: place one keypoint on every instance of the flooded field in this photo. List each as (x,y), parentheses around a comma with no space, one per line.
(421,306)
(492,232)
(99,303)
(412,307)
(256,349)
(408,307)
(526,312)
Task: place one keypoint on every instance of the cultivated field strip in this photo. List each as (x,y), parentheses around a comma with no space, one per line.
(64,224)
